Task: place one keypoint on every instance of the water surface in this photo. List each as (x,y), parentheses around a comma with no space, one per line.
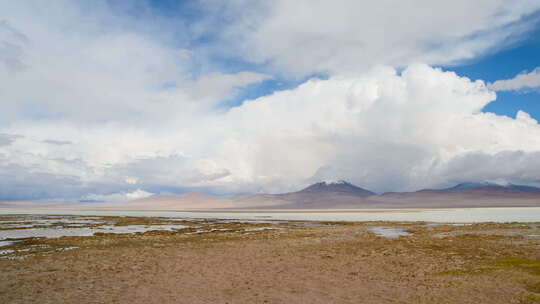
(389,232)
(458,215)
(86,231)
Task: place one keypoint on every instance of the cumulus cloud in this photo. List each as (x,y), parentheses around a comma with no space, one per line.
(383,130)
(114,112)
(523,81)
(305,36)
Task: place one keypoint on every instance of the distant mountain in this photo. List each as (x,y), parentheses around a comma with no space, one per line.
(463,195)
(525,188)
(487,189)
(470,185)
(341,187)
(344,195)
(321,195)
(327,195)
(493,186)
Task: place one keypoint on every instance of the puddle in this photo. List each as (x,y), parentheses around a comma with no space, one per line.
(447,224)
(389,232)
(137,228)
(60,232)
(32,222)
(309,224)
(7,226)
(7,243)
(22,253)
(55,227)
(67,248)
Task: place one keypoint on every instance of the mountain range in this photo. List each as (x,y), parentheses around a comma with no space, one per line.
(326,195)
(344,195)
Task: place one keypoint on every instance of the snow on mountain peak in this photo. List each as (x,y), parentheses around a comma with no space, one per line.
(334,182)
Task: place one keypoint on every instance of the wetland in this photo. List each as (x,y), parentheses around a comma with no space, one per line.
(133,259)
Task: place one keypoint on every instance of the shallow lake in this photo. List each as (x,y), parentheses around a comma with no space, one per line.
(458,215)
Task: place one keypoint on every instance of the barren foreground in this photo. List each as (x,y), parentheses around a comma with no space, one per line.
(227,262)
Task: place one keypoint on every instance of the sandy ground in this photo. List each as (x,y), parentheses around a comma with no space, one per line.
(330,263)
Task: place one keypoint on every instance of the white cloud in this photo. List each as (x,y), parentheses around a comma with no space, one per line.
(346,36)
(118,197)
(109,112)
(217,85)
(523,81)
(96,71)
(381,130)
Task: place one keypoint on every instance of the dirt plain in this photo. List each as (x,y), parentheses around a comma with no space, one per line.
(233,262)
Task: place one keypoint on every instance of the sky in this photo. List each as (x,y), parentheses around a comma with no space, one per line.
(119,100)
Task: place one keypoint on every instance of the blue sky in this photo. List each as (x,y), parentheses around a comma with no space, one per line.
(119,100)
(520,56)
(505,64)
